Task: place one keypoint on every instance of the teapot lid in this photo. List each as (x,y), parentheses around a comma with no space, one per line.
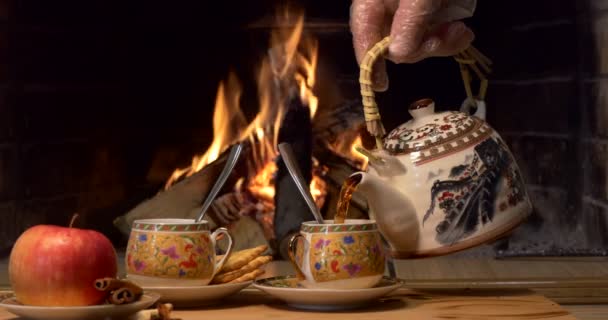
(433,135)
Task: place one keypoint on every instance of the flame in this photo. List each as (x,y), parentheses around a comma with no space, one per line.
(294,58)
(359,158)
(261,184)
(228,121)
(306,79)
(345,147)
(291,63)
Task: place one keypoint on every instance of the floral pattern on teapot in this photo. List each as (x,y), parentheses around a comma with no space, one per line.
(405,138)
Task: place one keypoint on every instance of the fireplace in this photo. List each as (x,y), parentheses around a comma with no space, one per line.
(98,112)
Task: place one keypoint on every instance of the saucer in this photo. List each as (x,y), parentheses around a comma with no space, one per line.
(288,289)
(79,313)
(197,296)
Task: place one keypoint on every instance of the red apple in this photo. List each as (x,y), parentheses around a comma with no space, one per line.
(57,266)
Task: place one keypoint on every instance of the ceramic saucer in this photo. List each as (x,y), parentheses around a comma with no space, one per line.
(79,313)
(288,289)
(197,296)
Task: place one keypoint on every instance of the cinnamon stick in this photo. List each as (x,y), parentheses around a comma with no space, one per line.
(119,291)
(111,284)
(124,295)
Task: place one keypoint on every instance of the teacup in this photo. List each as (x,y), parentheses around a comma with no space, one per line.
(338,256)
(173,252)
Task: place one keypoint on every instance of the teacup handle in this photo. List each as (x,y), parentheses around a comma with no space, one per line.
(214,235)
(291,250)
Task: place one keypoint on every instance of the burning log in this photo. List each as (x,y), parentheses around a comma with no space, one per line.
(333,121)
(290,208)
(184,199)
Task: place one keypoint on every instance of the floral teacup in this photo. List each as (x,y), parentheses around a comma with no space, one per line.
(175,252)
(338,256)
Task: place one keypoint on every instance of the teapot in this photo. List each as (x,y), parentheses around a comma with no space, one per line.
(441,182)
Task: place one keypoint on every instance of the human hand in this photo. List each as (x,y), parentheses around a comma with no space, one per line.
(415,34)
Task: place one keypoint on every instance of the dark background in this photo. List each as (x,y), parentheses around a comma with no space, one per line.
(100,100)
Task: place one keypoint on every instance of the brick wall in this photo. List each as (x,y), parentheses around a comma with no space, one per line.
(546,101)
(595,129)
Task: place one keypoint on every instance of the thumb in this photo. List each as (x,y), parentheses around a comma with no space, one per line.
(367,25)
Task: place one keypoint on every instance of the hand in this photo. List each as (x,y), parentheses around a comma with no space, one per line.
(411,27)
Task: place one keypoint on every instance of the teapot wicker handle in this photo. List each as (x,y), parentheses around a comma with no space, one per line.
(468,59)
(370,108)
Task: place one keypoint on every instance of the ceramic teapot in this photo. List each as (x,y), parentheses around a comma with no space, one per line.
(441,182)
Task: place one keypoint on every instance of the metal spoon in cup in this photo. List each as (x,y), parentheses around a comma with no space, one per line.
(233,158)
(289,159)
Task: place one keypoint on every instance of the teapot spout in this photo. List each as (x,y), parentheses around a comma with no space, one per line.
(383,163)
(393,211)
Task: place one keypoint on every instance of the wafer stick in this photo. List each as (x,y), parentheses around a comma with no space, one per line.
(249,276)
(240,258)
(249,267)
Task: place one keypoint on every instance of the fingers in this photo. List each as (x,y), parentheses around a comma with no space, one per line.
(379,76)
(368,24)
(449,39)
(410,25)
(412,39)
(457,38)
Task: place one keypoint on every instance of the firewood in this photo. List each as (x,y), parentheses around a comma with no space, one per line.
(184,199)
(331,121)
(290,207)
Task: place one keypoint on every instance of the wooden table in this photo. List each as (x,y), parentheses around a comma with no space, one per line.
(425,302)
(403,304)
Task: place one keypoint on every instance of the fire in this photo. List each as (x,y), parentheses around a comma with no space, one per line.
(345,147)
(228,121)
(261,185)
(291,64)
(306,80)
(354,154)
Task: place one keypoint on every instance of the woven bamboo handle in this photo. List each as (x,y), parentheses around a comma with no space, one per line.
(370,108)
(467,59)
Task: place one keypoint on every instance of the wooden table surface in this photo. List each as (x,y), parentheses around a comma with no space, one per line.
(402,304)
(455,299)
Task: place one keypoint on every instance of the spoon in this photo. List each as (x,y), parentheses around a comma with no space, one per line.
(235,152)
(296,175)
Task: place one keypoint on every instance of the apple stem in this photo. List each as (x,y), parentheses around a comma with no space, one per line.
(73,219)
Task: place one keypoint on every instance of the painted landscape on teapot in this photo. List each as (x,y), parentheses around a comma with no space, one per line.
(170,255)
(488,183)
(336,256)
